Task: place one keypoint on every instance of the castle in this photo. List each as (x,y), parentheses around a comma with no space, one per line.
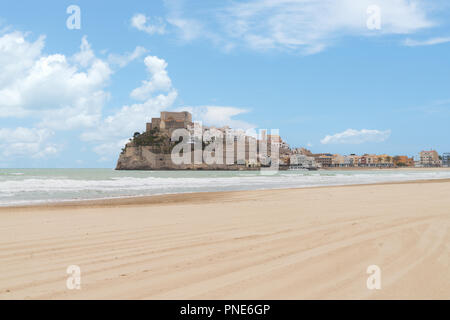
(170,121)
(151,150)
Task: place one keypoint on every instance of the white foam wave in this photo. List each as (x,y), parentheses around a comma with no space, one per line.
(35,189)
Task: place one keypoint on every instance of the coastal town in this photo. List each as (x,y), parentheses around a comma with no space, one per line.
(424,159)
(152,150)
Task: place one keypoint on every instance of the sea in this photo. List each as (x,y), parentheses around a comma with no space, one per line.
(38,186)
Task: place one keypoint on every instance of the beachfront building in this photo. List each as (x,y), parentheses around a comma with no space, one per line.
(446,159)
(352,160)
(340,161)
(349,161)
(385,161)
(325,160)
(430,159)
(376,161)
(403,161)
(301,161)
(337,160)
(368,160)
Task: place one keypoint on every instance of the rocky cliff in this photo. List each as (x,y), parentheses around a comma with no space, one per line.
(152,151)
(145,158)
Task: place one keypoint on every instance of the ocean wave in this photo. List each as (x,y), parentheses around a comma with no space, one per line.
(35,188)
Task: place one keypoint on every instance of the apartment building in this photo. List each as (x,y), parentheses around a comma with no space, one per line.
(446,159)
(429,159)
(324,160)
(301,161)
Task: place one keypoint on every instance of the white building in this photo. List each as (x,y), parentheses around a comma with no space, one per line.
(300,161)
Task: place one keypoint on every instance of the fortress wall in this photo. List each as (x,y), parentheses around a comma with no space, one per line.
(177,116)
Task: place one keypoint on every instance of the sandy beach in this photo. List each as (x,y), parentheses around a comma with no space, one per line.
(311,243)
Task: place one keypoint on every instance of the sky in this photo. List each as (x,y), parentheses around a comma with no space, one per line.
(78,78)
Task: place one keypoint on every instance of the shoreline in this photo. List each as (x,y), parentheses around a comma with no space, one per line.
(178,198)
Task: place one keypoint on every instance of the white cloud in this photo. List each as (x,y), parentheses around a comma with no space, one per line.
(298,25)
(128,119)
(189,29)
(64,93)
(17,55)
(85,112)
(68,93)
(351,136)
(86,56)
(219,116)
(61,93)
(113,132)
(124,60)
(108,150)
(429,42)
(26,142)
(311,26)
(159,80)
(143,23)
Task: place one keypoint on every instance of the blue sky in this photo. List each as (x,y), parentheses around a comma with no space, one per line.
(312,69)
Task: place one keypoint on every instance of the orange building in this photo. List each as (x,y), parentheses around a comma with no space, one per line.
(403,161)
